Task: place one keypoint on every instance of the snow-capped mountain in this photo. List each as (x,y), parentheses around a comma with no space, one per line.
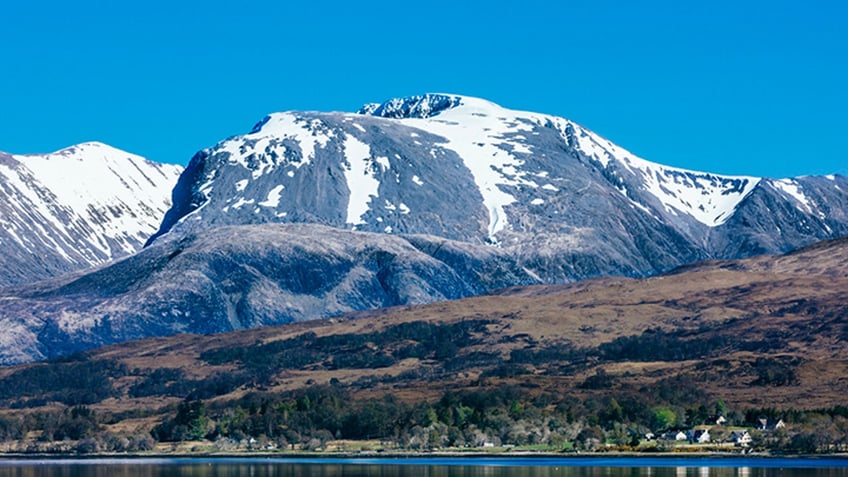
(77,207)
(413,200)
(467,169)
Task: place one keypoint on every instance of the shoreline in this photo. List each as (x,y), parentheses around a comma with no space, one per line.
(391,457)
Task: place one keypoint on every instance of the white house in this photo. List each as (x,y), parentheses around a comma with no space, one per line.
(768,425)
(700,436)
(740,438)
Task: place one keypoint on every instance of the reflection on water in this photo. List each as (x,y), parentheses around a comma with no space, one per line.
(435,468)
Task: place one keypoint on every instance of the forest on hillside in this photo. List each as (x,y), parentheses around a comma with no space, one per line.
(58,406)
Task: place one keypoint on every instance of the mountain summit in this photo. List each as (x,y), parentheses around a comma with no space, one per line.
(77,207)
(420,107)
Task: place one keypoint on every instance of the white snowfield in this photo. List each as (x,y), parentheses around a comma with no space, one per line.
(87,196)
(362,184)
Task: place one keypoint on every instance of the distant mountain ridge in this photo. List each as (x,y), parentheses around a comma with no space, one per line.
(77,207)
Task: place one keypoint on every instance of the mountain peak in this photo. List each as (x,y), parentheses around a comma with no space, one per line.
(420,106)
(84,151)
(88,146)
(77,207)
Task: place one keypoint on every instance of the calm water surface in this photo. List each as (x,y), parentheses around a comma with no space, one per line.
(420,467)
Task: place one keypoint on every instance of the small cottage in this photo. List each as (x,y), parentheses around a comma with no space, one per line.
(700,436)
(740,438)
(770,425)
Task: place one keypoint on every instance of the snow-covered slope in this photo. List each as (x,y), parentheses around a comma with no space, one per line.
(77,207)
(708,198)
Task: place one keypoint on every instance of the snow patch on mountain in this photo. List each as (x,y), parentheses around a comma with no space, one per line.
(273,199)
(360,179)
(793,190)
(266,145)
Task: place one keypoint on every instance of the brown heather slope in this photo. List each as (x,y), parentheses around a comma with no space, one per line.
(770,331)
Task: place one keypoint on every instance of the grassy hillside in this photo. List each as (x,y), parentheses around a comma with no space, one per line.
(759,337)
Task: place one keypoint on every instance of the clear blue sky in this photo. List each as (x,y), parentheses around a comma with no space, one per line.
(739,87)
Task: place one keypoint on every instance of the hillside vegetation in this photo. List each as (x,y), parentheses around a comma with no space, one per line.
(598,361)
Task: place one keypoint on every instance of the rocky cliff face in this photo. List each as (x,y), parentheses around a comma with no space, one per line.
(76,208)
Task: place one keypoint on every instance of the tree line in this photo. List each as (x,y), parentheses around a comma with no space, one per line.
(309,418)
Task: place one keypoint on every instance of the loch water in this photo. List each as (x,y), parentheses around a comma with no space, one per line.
(428,467)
